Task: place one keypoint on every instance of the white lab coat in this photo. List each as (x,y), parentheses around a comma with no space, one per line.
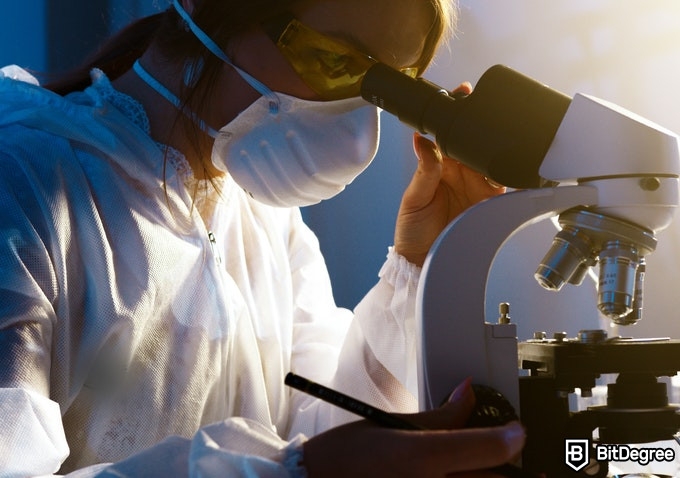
(130,316)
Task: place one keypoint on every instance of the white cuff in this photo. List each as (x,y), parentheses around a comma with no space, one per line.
(398,270)
(293,458)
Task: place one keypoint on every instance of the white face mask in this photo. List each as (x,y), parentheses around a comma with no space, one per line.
(285,151)
(305,152)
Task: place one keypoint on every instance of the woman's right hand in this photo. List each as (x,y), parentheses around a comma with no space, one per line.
(364,449)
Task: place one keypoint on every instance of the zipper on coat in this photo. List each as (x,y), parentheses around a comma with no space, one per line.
(213,246)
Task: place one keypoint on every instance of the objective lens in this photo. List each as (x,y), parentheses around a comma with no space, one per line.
(569,254)
(581,271)
(636,314)
(618,268)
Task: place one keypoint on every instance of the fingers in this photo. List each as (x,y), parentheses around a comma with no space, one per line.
(362,449)
(445,452)
(428,174)
(494,184)
(433,167)
(469,185)
(453,414)
(466,451)
(464,88)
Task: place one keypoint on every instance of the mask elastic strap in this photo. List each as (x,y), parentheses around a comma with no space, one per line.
(217,51)
(172,98)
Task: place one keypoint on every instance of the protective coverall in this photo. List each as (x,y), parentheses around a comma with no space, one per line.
(148,320)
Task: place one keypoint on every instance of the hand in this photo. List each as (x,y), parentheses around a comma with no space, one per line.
(364,449)
(441,189)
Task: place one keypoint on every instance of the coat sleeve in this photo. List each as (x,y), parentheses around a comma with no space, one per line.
(369,354)
(235,448)
(32,439)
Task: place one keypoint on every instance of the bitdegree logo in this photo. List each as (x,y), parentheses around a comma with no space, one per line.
(643,456)
(576,453)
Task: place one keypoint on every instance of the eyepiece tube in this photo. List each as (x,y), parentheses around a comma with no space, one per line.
(502,130)
(407,98)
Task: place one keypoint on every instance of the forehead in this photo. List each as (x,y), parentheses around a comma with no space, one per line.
(393,31)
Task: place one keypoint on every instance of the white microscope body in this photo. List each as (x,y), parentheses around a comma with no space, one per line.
(618,185)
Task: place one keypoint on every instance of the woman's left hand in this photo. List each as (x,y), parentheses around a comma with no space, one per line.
(440,190)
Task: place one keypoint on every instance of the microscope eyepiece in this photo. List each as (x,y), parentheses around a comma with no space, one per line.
(503,129)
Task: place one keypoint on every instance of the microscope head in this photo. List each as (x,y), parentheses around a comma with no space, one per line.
(633,162)
(634,165)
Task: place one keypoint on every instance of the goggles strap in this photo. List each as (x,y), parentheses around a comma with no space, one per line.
(217,51)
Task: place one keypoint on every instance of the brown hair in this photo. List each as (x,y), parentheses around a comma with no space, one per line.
(222,20)
(443,28)
(115,57)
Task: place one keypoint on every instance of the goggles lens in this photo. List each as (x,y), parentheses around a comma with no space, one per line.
(333,70)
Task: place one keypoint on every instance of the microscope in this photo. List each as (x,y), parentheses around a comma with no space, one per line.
(610,179)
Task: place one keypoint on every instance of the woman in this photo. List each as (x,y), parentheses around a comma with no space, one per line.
(157,281)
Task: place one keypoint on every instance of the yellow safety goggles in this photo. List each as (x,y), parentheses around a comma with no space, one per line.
(332,69)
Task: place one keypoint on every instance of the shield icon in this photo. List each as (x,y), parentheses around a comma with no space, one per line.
(576,453)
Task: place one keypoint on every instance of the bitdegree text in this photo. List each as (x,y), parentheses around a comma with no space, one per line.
(643,456)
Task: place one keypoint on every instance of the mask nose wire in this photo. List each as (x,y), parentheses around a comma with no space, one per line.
(217,51)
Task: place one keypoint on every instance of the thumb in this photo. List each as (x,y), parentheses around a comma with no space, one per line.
(425,180)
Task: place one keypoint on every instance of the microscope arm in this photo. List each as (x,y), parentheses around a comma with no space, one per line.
(454,340)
